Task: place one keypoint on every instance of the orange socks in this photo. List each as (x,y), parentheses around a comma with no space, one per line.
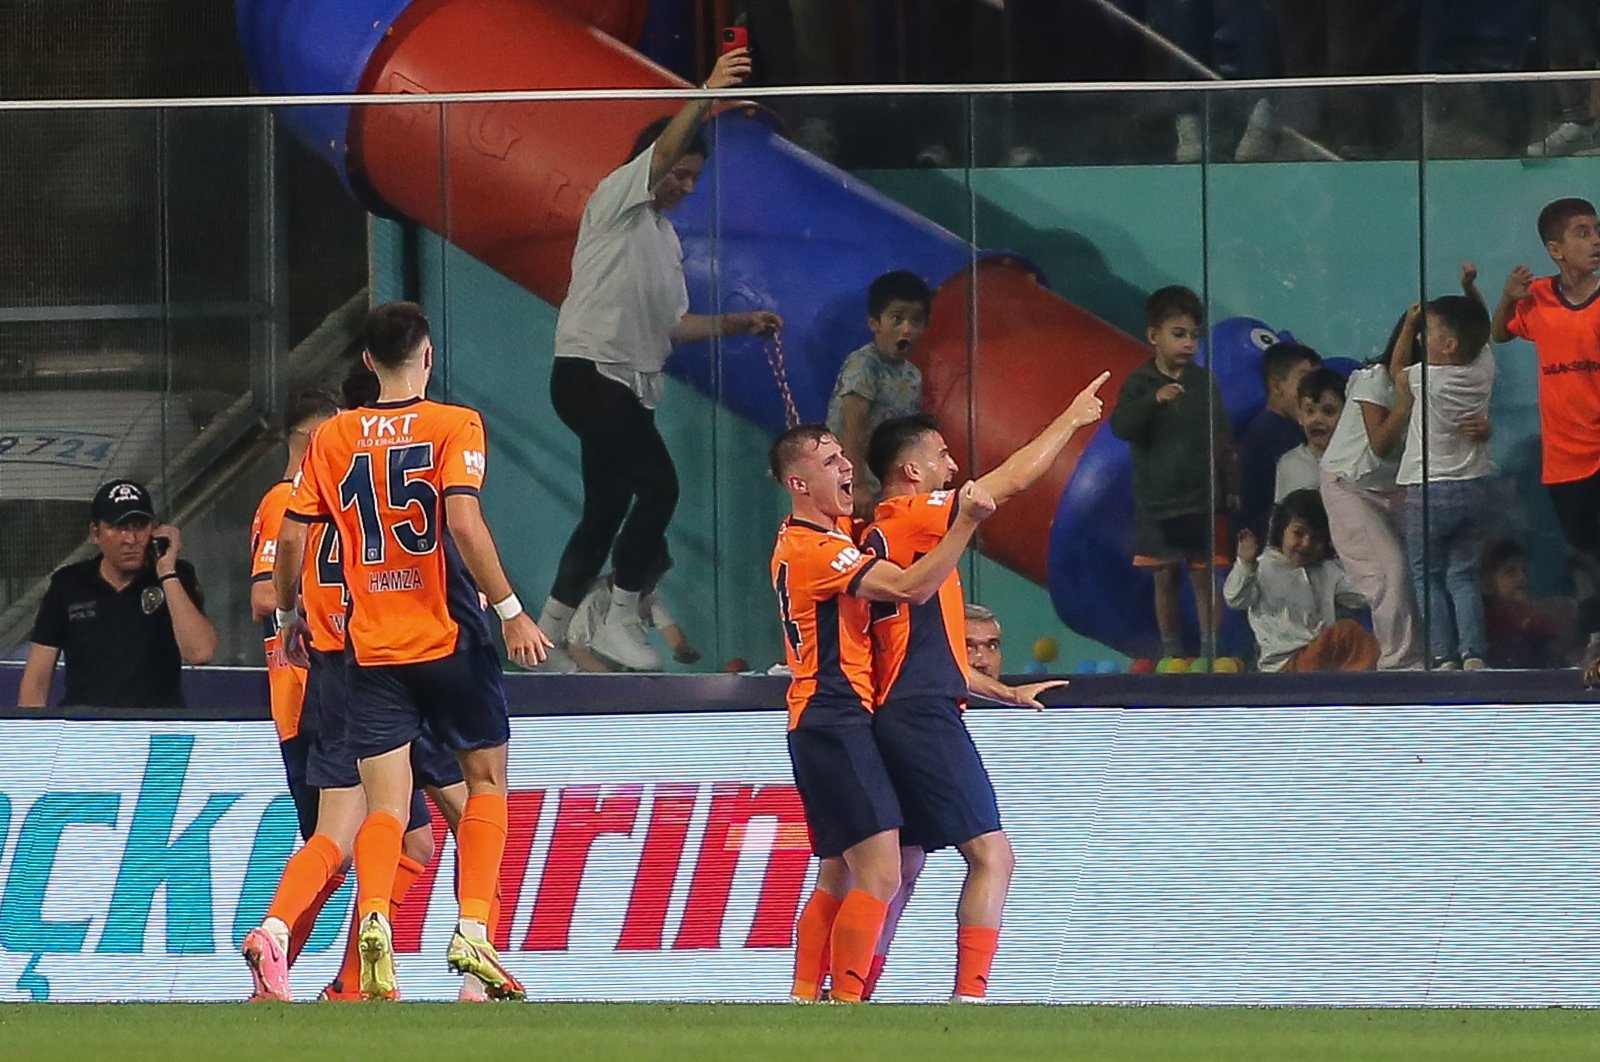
(304,876)
(878,963)
(377,862)
(348,979)
(300,932)
(975,948)
(480,842)
(811,944)
(855,937)
(406,873)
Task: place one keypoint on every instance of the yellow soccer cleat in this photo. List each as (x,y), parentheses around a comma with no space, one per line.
(478,958)
(377,959)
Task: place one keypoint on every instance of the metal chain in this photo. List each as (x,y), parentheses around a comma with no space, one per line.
(774,349)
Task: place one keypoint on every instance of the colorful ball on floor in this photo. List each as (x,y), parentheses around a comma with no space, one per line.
(1045,649)
(1200,665)
(736,665)
(1228,665)
(1173,665)
(1088,667)
(1035,667)
(1142,666)
(1108,667)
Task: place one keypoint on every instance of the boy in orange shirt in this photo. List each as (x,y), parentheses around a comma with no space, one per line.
(1560,315)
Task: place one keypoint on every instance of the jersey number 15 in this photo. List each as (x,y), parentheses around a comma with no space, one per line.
(417,533)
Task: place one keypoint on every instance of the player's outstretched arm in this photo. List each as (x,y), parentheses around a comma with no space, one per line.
(1026,694)
(885,581)
(1029,463)
(526,644)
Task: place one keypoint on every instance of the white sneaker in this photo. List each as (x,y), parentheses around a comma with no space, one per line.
(959,998)
(623,641)
(556,662)
(1473,663)
(1568,138)
(1190,148)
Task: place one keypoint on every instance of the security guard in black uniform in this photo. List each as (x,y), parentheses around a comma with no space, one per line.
(127,620)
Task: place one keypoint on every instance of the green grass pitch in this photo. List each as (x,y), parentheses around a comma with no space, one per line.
(636,1033)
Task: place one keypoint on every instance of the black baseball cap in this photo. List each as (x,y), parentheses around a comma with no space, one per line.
(120,500)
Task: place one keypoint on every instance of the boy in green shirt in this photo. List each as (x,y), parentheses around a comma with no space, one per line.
(1170,413)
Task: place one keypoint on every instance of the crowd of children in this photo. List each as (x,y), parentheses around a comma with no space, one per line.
(1380,484)
(1372,492)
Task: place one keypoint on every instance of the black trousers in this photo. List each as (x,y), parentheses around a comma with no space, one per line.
(630,487)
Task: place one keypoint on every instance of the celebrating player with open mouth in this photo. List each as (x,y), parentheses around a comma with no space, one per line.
(825,586)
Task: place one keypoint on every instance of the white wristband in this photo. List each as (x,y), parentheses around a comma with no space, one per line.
(508,607)
(286,617)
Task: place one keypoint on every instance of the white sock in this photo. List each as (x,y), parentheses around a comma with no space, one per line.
(624,605)
(473,930)
(278,929)
(554,619)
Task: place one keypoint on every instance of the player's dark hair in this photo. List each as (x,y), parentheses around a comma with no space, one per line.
(788,447)
(1555,215)
(1173,301)
(310,404)
(891,439)
(393,332)
(1466,319)
(1318,382)
(1301,505)
(899,285)
(360,387)
(652,132)
(1280,359)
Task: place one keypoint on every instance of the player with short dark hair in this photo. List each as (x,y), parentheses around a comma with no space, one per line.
(399,481)
(308,705)
(921,676)
(824,585)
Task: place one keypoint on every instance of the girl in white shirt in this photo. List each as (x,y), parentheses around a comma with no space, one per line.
(1293,591)
(1359,492)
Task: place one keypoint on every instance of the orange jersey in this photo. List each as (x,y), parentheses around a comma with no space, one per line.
(285,682)
(918,650)
(322,594)
(1567,341)
(815,571)
(379,475)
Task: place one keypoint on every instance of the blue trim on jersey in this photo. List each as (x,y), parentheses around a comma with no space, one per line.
(470,491)
(461,593)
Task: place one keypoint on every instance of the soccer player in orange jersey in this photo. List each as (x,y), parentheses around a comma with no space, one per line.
(921,678)
(825,585)
(308,706)
(398,481)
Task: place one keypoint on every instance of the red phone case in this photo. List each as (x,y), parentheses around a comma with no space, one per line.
(734,37)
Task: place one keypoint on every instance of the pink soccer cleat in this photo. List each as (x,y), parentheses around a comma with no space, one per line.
(269,966)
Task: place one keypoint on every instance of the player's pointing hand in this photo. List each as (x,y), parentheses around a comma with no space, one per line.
(1028,695)
(1087,408)
(526,644)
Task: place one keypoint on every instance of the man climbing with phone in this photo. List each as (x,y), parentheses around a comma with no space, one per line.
(127,619)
